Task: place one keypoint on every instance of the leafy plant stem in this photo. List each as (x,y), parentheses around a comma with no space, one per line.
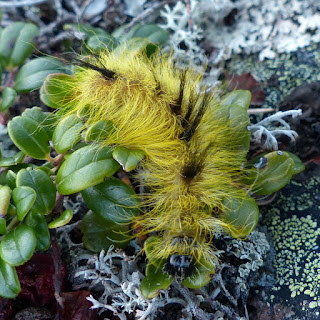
(50,159)
(12,224)
(56,162)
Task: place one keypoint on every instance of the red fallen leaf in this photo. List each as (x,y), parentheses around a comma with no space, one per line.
(246,81)
(4,118)
(36,279)
(6,306)
(315,160)
(77,307)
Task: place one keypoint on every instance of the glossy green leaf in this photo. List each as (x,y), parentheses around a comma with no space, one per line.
(53,94)
(40,228)
(149,245)
(100,42)
(16,42)
(241,98)
(35,113)
(11,179)
(136,45)
(233,109)
(204,271)
(156,279)
(3,225)
(29,137)
(45,119)
(128,158)
(18,245)
(44,97)
(241,215)
(298,164)
(64,219)
(32,75)
(113,200)
(12,161)
(5,195)
(2,68)
(152,32)
(85,168)
(11,211)
(99,130)
(87,29)
(44,187)
(99,233)
(8,97)
(67,133)
(271,173)
(23,198)
(9,282)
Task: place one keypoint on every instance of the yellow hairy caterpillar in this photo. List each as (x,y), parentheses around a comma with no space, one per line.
(195,145)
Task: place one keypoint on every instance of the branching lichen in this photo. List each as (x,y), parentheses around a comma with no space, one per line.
(264,129)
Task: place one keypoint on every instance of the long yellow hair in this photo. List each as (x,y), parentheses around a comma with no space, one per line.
(193,162)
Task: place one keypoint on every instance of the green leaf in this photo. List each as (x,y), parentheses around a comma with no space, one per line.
(240,98)
(233,109)
(87,29)
(18,245)
(24,46)
(64,219)
(100,42)
(29,137)
(23,198)
(9,282)
(99,233)
(15,42)
(99,131)
(32,75)
(12,161)
(45,119)
(5,195)
(11,179)
(113,200)
(44,187)
(53,94)
(156,279)
(241,215)
(35,113)
(149,246)
(147,37)
(128,158)
(8,98)
(136,45)
(204,270)
(39,225)
(11,211)
(152,32)
(3,225)
(298,164)
(67,133)
(271,173)
(85,168)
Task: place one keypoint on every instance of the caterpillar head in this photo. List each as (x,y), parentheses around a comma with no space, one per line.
(180,265)
(179,255)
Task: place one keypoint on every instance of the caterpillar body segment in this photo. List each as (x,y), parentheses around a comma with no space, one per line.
(194,146)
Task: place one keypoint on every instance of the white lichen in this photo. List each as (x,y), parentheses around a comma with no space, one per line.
(265,132)
(258,26)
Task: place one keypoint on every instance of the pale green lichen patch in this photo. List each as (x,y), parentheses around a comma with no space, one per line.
(293,221)
(297,260)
